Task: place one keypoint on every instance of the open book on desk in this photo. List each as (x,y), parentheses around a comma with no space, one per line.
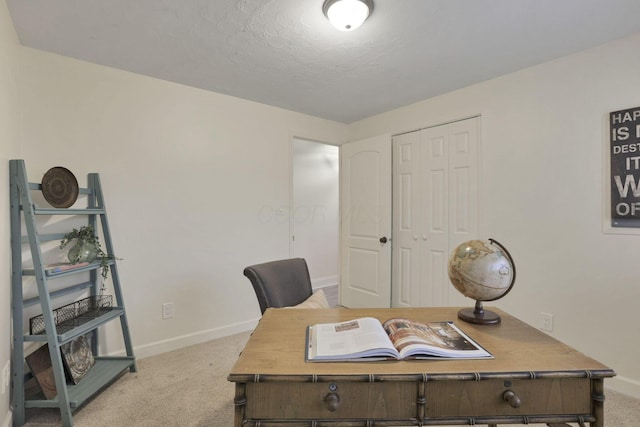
(366,339)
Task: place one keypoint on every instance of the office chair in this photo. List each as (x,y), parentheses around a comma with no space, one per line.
(282,283)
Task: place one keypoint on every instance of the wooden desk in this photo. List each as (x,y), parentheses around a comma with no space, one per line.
(552,382)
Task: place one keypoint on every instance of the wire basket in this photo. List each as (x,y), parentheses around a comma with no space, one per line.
(75,314)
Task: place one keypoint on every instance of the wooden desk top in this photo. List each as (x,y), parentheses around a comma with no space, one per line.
(277,348)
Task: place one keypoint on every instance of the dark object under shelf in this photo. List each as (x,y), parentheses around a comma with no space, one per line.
(74,314)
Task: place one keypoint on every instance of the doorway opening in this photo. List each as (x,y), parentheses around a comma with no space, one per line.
(315,212)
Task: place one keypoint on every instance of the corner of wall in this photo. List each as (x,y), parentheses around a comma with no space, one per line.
(8,419)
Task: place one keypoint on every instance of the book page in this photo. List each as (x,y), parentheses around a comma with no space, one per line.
(362,337)
(440,339)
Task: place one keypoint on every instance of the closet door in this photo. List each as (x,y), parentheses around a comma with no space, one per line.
(434,230)
(406,220)
(435,208)
(464,182)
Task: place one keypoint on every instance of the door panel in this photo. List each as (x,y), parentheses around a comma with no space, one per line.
(437,274)
(366,218)
(402,276)
(437,182)
(363,279)
(435,217)
(406,217)
(465,189)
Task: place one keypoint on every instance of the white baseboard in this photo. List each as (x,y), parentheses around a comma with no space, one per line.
(324,282)
(8,421)
(624,385)
(176,343)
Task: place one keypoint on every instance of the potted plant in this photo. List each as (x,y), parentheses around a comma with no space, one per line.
(86,249)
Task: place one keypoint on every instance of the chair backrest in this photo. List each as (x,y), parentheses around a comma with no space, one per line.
(280,283)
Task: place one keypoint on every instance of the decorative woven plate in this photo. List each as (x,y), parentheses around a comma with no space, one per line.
(77,358)
(60,187)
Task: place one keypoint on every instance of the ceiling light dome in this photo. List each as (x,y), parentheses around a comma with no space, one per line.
(347,15)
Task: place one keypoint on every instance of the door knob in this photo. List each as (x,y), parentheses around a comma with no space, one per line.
(383,240)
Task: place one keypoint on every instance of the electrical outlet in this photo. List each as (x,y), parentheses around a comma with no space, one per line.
(167,310)
(546,322)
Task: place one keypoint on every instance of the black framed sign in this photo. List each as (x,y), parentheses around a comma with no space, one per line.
(625,167)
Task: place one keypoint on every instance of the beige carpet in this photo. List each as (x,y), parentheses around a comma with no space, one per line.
(189,388)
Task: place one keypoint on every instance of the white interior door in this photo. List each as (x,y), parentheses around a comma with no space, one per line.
(365,279)
(435,208)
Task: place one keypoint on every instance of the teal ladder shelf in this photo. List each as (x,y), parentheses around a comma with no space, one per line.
(106,369)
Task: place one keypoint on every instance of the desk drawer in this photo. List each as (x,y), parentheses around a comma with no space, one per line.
(294,400)
(485,398)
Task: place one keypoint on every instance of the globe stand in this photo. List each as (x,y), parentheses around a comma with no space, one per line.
(479,315)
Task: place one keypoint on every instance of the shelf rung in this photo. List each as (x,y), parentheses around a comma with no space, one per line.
(54,211)
(90,325)
(59,293)
(80,329)
(44,238)
(38,186)
(93,266)
(101,374)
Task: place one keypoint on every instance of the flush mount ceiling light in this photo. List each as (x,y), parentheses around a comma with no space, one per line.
(347,15)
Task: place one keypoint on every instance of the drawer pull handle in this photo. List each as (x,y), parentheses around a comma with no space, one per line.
(333,401)
(511,398)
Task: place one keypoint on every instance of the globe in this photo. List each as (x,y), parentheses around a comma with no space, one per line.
(484,271)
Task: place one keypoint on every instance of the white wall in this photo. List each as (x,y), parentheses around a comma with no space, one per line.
(9,148)
(315,209)
(543,131)
(187,175)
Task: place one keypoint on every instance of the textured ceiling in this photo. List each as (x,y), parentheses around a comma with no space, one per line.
(285,53)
